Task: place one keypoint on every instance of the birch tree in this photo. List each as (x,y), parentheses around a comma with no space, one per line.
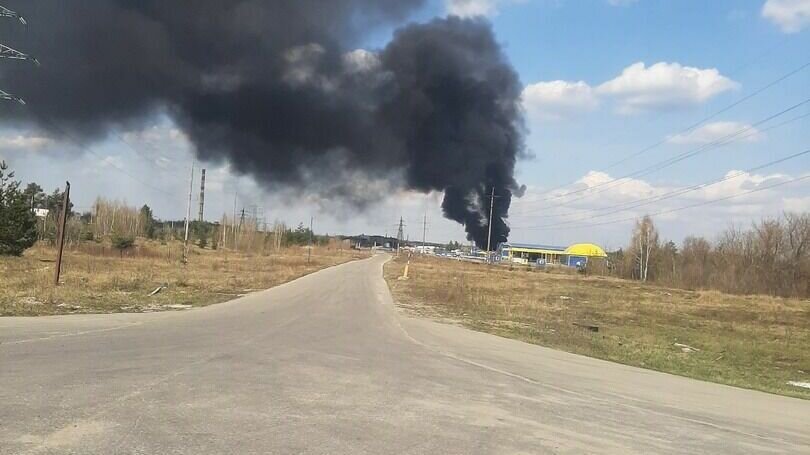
(644,245)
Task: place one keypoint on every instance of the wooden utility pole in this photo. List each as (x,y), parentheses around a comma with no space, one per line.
(309,253)
(60,237)
(188,216)
(489,234)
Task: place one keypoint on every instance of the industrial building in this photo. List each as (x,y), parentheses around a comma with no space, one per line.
(576,255)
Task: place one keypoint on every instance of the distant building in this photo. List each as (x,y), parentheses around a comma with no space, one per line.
(527,253)
(576,255)
(373,241)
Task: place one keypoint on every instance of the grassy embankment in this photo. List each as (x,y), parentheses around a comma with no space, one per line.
(95,279)
(756,342)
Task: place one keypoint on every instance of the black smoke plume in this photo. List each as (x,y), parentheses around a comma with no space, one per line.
(277,89)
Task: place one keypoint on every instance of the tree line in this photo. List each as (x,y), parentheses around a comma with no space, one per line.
(770,257)
(120,224)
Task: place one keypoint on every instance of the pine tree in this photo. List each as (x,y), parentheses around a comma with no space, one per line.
(18,226)
(147,221)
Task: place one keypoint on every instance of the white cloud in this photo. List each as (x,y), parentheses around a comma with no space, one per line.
(740,182)
(158,144)
(797,204)
(627,189)
(157,136)
(21,142)
(664,86)
(475,8)
(712,132)
(471,8)
(360,61)
(790,15)
(107,162)
(302,67)
(599,207)
(639,88)
(558,99)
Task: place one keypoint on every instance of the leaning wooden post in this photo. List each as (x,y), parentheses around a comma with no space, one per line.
(60,234)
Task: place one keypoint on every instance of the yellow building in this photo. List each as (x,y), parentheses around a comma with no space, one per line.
(576,255)
(526,253)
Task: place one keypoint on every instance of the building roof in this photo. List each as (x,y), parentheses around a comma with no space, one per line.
(586,249)
(532,246)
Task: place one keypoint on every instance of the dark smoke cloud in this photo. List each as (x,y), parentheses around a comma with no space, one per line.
(277,89)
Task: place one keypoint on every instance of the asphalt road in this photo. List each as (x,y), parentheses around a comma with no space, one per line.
(324,365)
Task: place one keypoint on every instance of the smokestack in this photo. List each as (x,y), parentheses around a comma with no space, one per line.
(202,195)
(279,91)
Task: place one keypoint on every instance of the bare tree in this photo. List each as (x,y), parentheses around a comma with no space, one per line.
(644,245)
(695,256)
(797,233)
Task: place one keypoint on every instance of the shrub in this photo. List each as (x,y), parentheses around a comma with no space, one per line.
(122,243)
(18,226)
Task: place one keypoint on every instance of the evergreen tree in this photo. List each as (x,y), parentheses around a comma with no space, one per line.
(147,222)
(53,203)
(35,196)
(18,226)
(122,243)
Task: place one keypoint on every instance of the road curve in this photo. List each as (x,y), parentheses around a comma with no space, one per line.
(324,365)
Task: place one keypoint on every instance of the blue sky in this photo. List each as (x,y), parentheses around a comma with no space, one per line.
(604,79)
(594,41)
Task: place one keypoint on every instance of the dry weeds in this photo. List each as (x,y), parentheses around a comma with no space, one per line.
(755,342)
(96,279)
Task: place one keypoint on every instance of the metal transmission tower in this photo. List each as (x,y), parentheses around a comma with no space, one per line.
(10,53)
(202,196)
(5,12)
(10,97)
(400,234)
(14,54)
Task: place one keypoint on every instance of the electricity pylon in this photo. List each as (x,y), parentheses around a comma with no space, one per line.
(7,52)
(14,54)
(5,12)
(10,97)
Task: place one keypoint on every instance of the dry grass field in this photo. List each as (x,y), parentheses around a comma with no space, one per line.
(755,342)
(96,279)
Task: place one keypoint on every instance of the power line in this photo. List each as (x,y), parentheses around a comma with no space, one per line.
(714,115)
(599,209)
(690,127)
(8,52)
(670,161)
(146,158)
(64,133)
(700,204)
(678,192)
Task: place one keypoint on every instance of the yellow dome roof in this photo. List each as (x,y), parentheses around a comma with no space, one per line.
(585,249)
